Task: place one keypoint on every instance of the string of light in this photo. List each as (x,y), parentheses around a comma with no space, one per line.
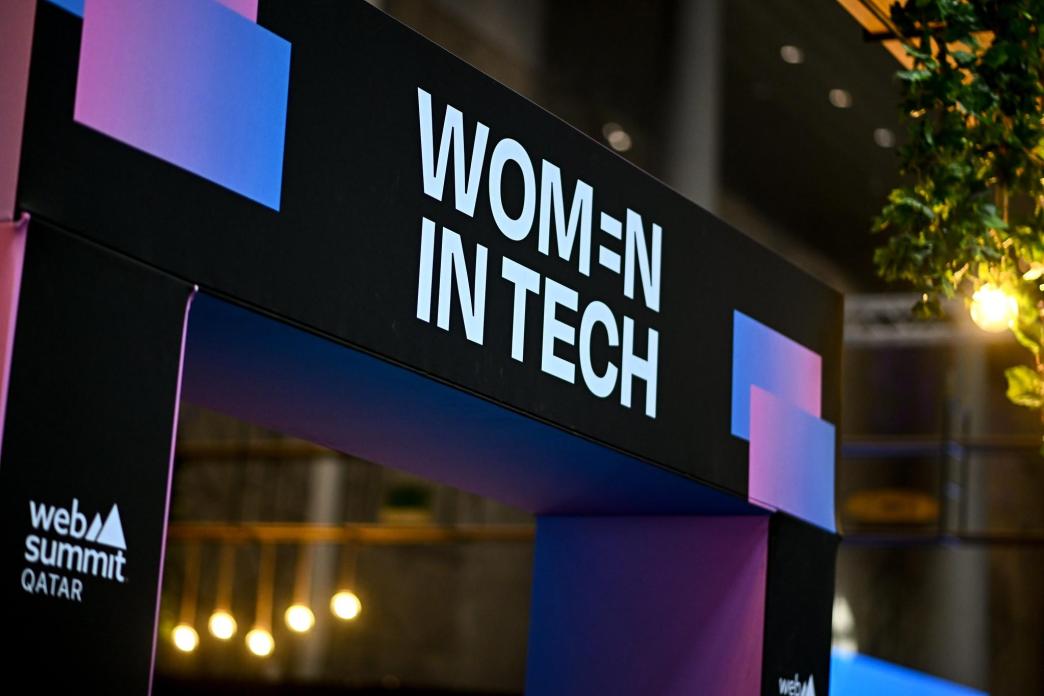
(345,604)
(299,617)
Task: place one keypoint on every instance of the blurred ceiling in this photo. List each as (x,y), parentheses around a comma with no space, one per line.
(814,168)
(804,138)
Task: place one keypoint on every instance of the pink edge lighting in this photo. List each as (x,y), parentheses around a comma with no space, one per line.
(170,481)
(12,253)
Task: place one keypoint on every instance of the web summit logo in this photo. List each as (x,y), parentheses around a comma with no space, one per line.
(795,687)
(69,552)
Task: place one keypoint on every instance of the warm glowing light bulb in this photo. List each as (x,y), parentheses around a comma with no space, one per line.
(222,625)
(345,605)
(260,642)
(993,309)
(185,638)
(299,618)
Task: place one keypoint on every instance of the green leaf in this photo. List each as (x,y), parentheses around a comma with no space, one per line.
(913,75)
(974,115)
(1024,386)
(988,216)
(917,53)
(1025,341)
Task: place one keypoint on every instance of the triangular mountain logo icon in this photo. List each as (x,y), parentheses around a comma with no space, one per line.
(809,689)
(111,533)
(92,533)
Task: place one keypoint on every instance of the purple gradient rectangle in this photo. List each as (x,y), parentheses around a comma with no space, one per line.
(12,254)
(191,82)
(669,606)
(791,459)
(766,358)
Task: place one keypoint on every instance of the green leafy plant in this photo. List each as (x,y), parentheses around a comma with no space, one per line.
(969,220)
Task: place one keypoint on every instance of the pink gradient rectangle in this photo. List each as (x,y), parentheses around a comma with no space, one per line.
(16,39)
(247,8)
(12,254)
(791,460)
(763,357)
(189,82)
(669,606)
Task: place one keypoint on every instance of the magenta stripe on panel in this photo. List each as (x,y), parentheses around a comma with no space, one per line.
(170,484)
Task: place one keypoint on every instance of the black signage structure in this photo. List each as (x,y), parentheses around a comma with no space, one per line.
(428,226)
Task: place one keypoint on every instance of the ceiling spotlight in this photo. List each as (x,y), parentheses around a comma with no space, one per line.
(617,137)
(791,54)
(840,98)
(884,137)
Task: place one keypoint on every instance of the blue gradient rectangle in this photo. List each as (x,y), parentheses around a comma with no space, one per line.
(74,6)
(766,358)
(191,82)
(852,674)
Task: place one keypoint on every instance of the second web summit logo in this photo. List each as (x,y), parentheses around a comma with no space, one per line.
(64,550)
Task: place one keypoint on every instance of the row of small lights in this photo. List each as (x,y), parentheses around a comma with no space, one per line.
(345,605)
(299,618)
(838,98)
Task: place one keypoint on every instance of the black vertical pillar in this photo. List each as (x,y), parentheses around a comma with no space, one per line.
(84,475)
(799,600)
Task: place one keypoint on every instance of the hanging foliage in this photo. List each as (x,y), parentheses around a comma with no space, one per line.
(969,222)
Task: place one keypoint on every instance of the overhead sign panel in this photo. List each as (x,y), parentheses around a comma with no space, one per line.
(434,218)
